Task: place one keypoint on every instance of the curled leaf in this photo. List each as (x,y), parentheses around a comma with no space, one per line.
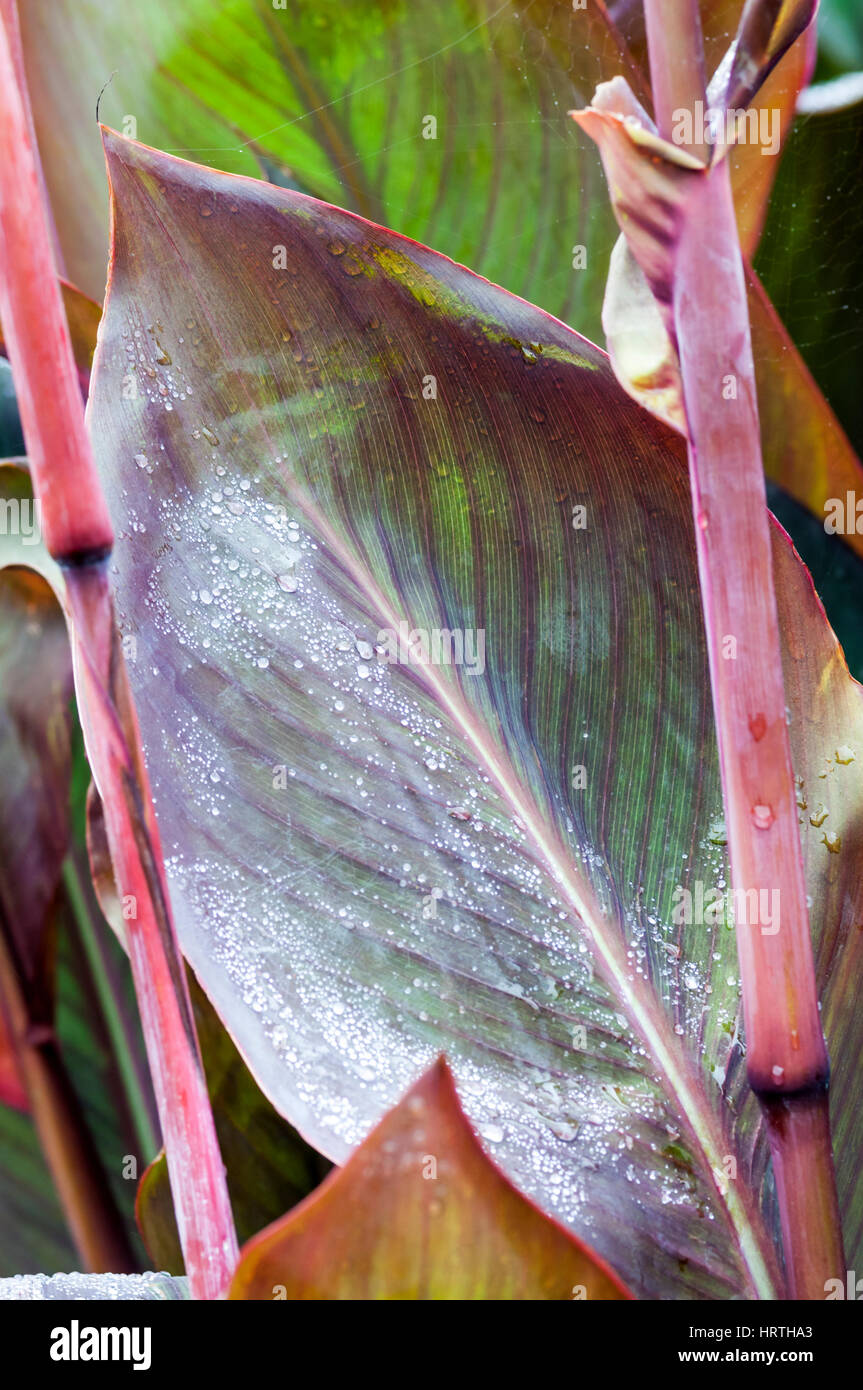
(804,446)
(766,31)
(643,356)
(36,765)
(651,181)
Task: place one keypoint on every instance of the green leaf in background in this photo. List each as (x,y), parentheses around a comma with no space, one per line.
(74,1063)
(420,1213)
(811,257)
(837,572)
(446,121)
(840,38)
(335,99)
(11,436)
(374,859)
(35,680)
(34,1234)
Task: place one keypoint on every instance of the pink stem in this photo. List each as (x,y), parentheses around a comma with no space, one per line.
(77,531)
(787,1061)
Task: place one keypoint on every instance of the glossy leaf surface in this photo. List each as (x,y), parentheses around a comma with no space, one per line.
(372,861)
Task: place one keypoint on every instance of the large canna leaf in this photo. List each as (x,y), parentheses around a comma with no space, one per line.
(373,861)
(420,1213)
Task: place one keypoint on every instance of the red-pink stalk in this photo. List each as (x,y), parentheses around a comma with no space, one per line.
(77,530)
(787,1061)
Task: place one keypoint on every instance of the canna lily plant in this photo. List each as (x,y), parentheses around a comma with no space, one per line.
(475,774)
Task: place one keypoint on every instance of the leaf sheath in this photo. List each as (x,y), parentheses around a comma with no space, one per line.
(787,1060)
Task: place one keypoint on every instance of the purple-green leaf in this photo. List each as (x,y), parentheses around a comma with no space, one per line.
(766,31)
(334,432)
